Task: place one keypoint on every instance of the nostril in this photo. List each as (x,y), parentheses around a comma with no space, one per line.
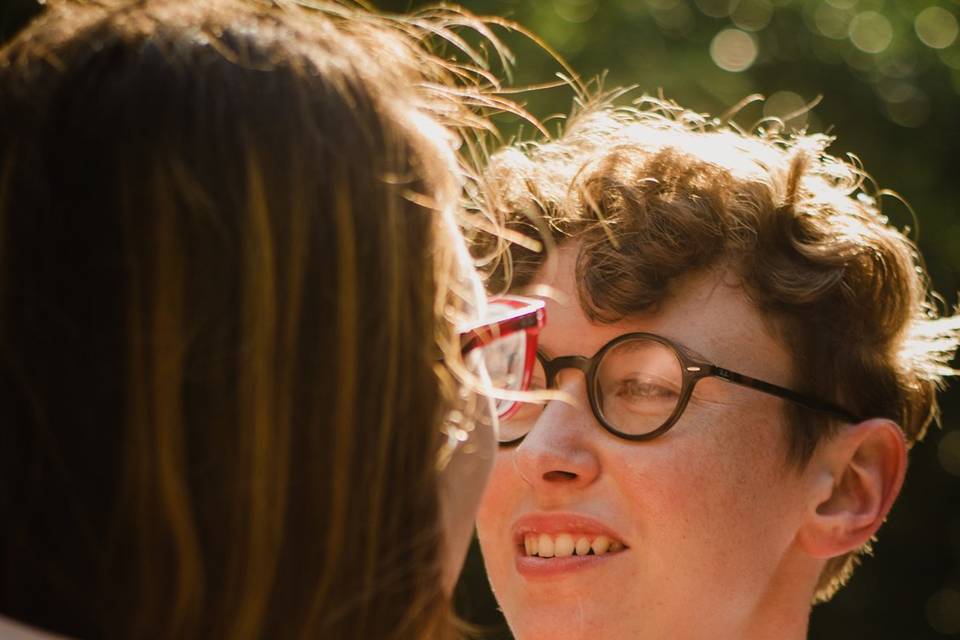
(559,476)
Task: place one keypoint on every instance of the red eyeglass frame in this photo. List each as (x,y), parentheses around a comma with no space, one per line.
(524,314)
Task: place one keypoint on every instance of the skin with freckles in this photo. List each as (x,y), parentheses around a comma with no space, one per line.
(714,519)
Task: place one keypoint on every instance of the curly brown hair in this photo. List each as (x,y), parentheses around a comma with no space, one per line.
(654,192)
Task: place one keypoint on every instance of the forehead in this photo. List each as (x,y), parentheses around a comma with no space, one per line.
(707,312)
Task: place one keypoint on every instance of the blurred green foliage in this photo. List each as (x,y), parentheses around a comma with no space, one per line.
(888,72)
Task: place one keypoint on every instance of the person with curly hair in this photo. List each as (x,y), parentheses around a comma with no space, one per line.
(742,349)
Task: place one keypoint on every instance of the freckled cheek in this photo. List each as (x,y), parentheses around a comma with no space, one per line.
(686,489)
(726,489)
(683,497)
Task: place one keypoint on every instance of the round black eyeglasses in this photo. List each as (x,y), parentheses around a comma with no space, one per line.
(639,384)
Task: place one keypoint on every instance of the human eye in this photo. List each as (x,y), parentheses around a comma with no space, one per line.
(644,389)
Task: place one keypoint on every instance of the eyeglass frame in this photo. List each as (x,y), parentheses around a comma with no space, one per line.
(693,370)
(528,315)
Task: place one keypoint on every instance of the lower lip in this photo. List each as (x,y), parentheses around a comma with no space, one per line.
(536,568)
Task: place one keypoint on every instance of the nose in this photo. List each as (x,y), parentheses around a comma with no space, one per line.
(559,453)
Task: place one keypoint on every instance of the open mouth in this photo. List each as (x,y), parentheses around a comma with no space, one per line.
(564,545)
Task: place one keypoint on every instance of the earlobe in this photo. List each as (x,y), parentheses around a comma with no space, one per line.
(857,475)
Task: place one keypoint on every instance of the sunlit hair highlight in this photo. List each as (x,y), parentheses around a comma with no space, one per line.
(654,192)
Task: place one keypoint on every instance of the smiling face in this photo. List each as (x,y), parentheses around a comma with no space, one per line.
(689,535)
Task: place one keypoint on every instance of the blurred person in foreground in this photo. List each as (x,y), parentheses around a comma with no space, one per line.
(233,304)
(747,350)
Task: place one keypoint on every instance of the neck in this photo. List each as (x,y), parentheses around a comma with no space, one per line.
(785,625)
(783,612)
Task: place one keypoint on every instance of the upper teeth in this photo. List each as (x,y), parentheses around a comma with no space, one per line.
(565,544)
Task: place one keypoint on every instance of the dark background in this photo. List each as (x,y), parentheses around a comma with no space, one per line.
(889,75)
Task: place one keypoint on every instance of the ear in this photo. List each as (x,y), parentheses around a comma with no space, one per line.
(856,476)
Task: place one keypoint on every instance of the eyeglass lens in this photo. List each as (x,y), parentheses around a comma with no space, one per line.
(501,362)
(637,385)
(504,359)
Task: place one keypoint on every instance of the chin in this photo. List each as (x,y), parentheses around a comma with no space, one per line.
(574,619)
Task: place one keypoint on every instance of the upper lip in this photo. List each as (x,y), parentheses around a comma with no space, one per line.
(556,523)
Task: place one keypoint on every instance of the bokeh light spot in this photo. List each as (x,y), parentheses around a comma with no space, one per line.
(936,27)
(715,8)
(575,11)
(943,611)
(896,90)
(912,112)
(843,4)
(831,21)
(783,104)
(678,18)
(870,32)
(948,452)
(901,66)
(752,15)
(733,50)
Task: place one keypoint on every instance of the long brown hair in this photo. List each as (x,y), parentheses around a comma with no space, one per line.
(223,282)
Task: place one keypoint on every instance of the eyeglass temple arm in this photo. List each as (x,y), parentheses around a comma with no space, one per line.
(782,392)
